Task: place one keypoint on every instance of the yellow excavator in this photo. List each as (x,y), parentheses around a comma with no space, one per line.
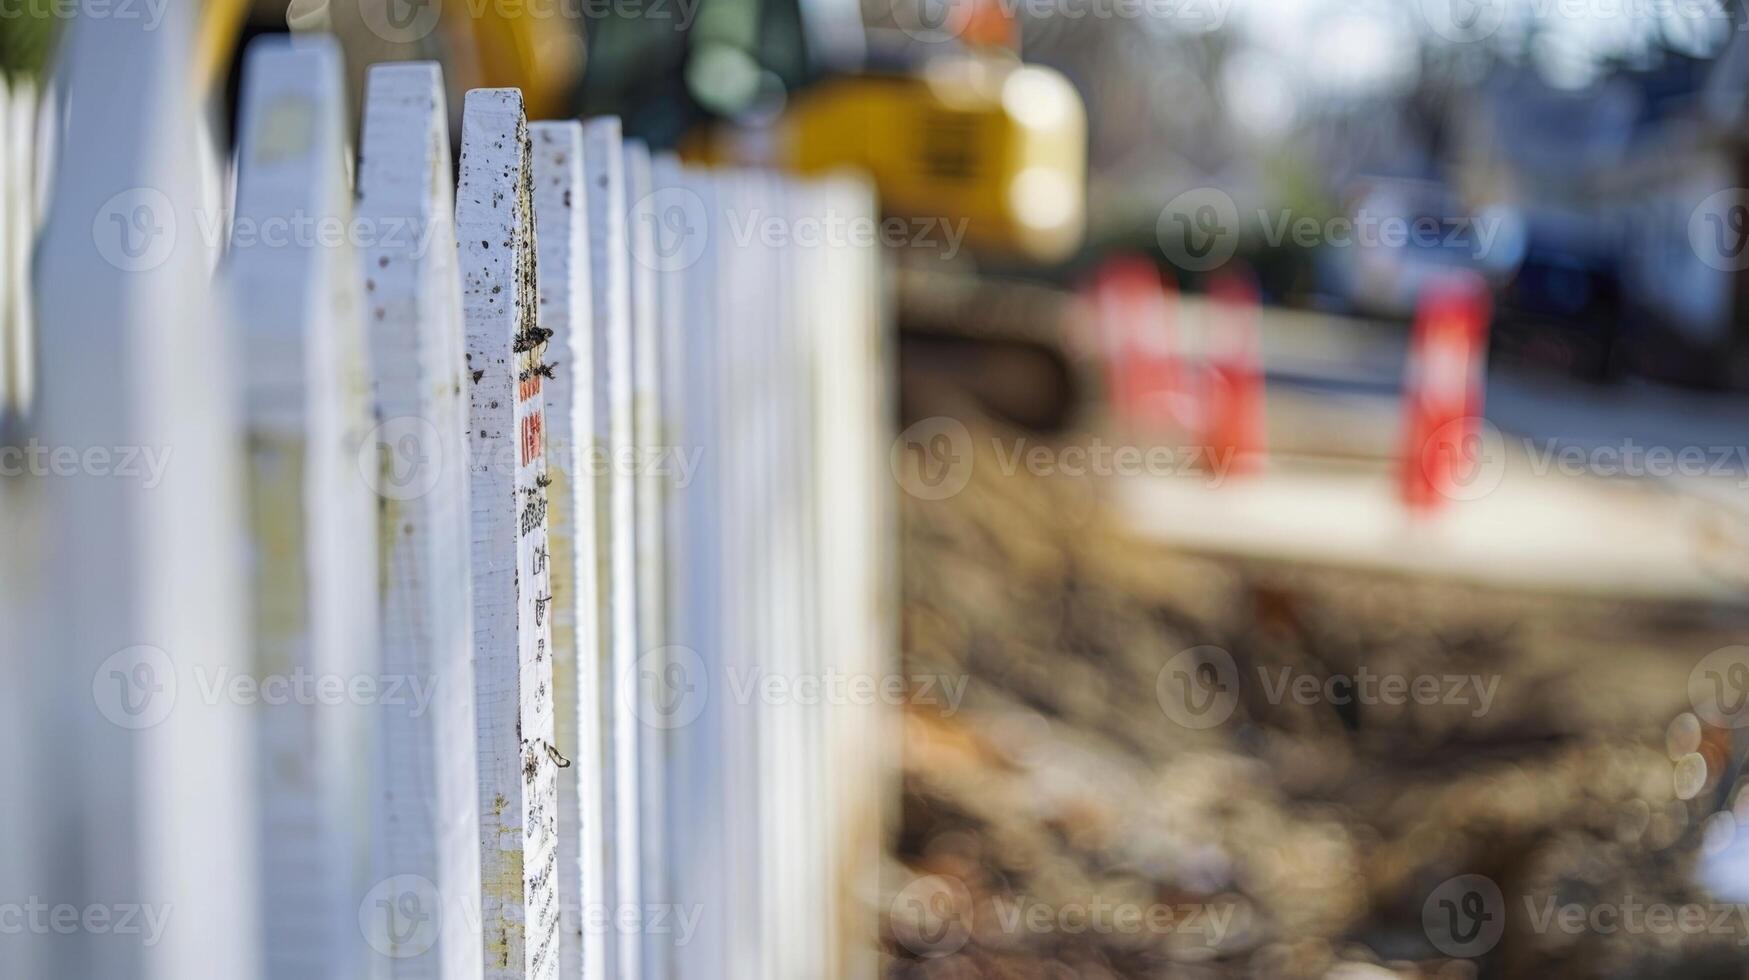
(939,111)
(934,104)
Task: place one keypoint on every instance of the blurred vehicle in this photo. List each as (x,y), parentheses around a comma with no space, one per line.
(1407,234)
(1638,234)
(1683,274)
(1561,307)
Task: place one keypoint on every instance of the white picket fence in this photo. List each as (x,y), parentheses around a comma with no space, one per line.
(450,565)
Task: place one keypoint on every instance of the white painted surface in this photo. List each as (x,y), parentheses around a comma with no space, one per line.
(696,779)
(650,489)
(773,651)
(742,296)
(18,224)
(294,299)
(857,577)
(512,602)
(561,213)
(420,918)
(801,927)
(142,796)
(611,327)
(12,236)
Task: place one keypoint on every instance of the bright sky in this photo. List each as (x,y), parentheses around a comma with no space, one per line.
(1359,44)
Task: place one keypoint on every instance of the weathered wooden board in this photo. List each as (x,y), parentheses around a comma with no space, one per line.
(293,285)
(651,464)
(142,796)
(20,549)
(771,651)
(616,581)
(21,514)
(743,292)
(561,213)
(852,370)
(795,651)
(421,918)
(512,601)
(696,780)
(615,528)
(680,238)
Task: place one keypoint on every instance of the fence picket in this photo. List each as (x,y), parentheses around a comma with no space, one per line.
(581,447)
(851,367)
(19,175)
(697,781)
(611,329)
(561,212)
(296,305)
(143,793)
(512,601)
(649,496)
(742,305)
(419,915)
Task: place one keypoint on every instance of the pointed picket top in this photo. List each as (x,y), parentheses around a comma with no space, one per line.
(144,788)
(616,564)
(17,223)
(561,213)
(292,284)
(418,917)
(21,551)
(10,283)
(495,228)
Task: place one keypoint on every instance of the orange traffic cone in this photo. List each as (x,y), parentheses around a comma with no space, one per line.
(1442,394)
(1135,313)
(1234,427)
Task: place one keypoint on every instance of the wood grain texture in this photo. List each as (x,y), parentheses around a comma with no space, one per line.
(420,917)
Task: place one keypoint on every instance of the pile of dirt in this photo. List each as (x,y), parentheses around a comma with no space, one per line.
(1362,743)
